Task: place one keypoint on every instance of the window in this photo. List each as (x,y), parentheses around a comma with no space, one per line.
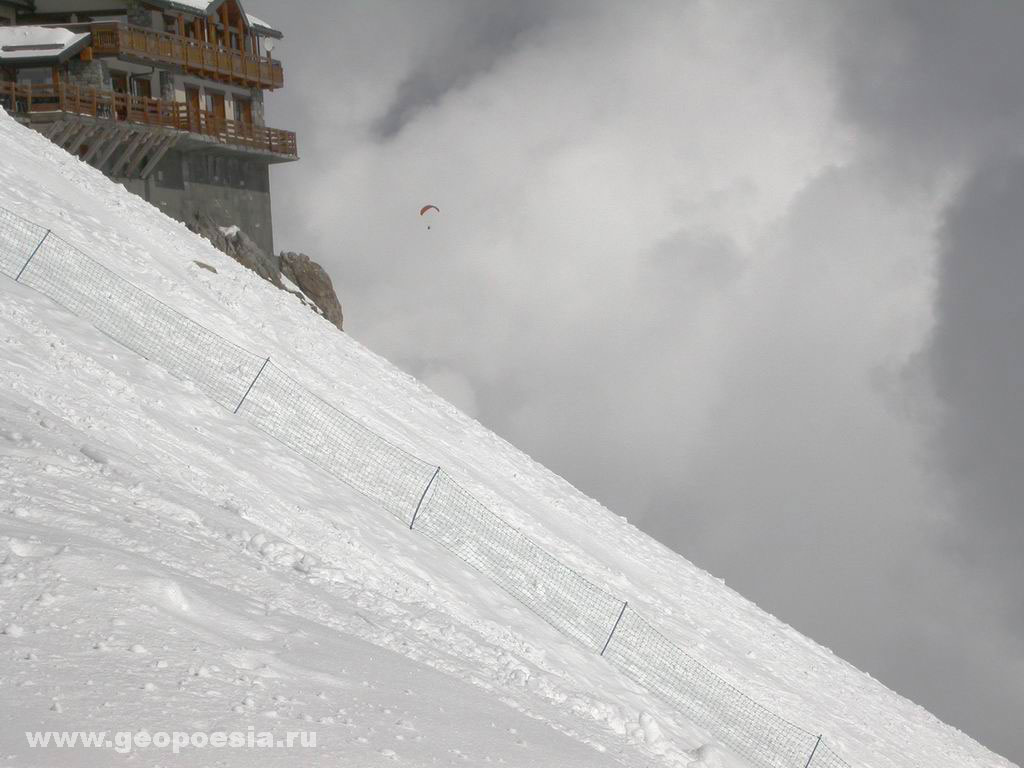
(243,110)
(214,104)
(35,75)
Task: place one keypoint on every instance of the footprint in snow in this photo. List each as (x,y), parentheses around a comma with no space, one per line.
(30,549)
(94,455)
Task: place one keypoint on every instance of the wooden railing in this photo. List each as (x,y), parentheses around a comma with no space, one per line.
(93,102)
(244,134)
(196,56)
(108,105)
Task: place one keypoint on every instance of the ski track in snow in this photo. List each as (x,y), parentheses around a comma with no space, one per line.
(163,565)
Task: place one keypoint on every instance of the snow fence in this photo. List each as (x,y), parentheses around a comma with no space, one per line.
(422,496)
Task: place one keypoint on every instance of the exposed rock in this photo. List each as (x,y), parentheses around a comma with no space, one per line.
(297,270)
(239,246)
(204,265)
(313,280)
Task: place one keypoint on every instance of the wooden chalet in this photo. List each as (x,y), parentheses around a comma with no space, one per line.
(165,96)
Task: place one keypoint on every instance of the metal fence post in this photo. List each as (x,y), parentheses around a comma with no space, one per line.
(32,256)
(816,745)
(258,374)
(612,633)
(420,502)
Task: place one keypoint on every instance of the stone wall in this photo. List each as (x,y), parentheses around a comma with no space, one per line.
(258,110)
(166,86)
(138,15)
(92,74)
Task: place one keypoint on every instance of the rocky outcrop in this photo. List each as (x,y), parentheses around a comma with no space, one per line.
(295,273)
(239,246)
(314,282)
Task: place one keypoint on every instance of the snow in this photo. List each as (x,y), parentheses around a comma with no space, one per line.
(231,231)
(203,6)
(164,565)
(32,42)
(255,22)
(289,285)
(198,5)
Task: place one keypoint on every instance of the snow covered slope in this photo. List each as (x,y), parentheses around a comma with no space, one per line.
(163,565)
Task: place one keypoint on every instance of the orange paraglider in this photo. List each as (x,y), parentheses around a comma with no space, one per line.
(429,207)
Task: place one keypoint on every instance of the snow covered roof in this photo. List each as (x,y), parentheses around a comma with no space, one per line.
(207,8)
(39,45)
(262,26)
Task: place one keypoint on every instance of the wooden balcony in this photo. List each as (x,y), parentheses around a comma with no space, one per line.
(226,131)
(108,105)
(197,57)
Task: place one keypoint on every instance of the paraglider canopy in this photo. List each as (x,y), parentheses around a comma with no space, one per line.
(429,207)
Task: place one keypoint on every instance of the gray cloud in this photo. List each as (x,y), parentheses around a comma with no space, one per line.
(716,263)
(936,85)
(978,371)
(936,81)
(478,36)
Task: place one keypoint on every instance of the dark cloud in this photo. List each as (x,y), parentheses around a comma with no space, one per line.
(478,35)
(936,81)
(977,366)
(937,87)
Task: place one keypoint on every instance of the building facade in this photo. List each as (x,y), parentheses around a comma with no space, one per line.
(164,96)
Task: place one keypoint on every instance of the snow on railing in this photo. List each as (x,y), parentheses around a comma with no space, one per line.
(422,496)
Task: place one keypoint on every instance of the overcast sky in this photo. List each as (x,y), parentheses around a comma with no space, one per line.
(751,274)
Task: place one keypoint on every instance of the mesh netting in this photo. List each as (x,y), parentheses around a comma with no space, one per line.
(824,757)
(281,407)
(18,238)
(417,493)
(552,590)
(140,322)
(753,731)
